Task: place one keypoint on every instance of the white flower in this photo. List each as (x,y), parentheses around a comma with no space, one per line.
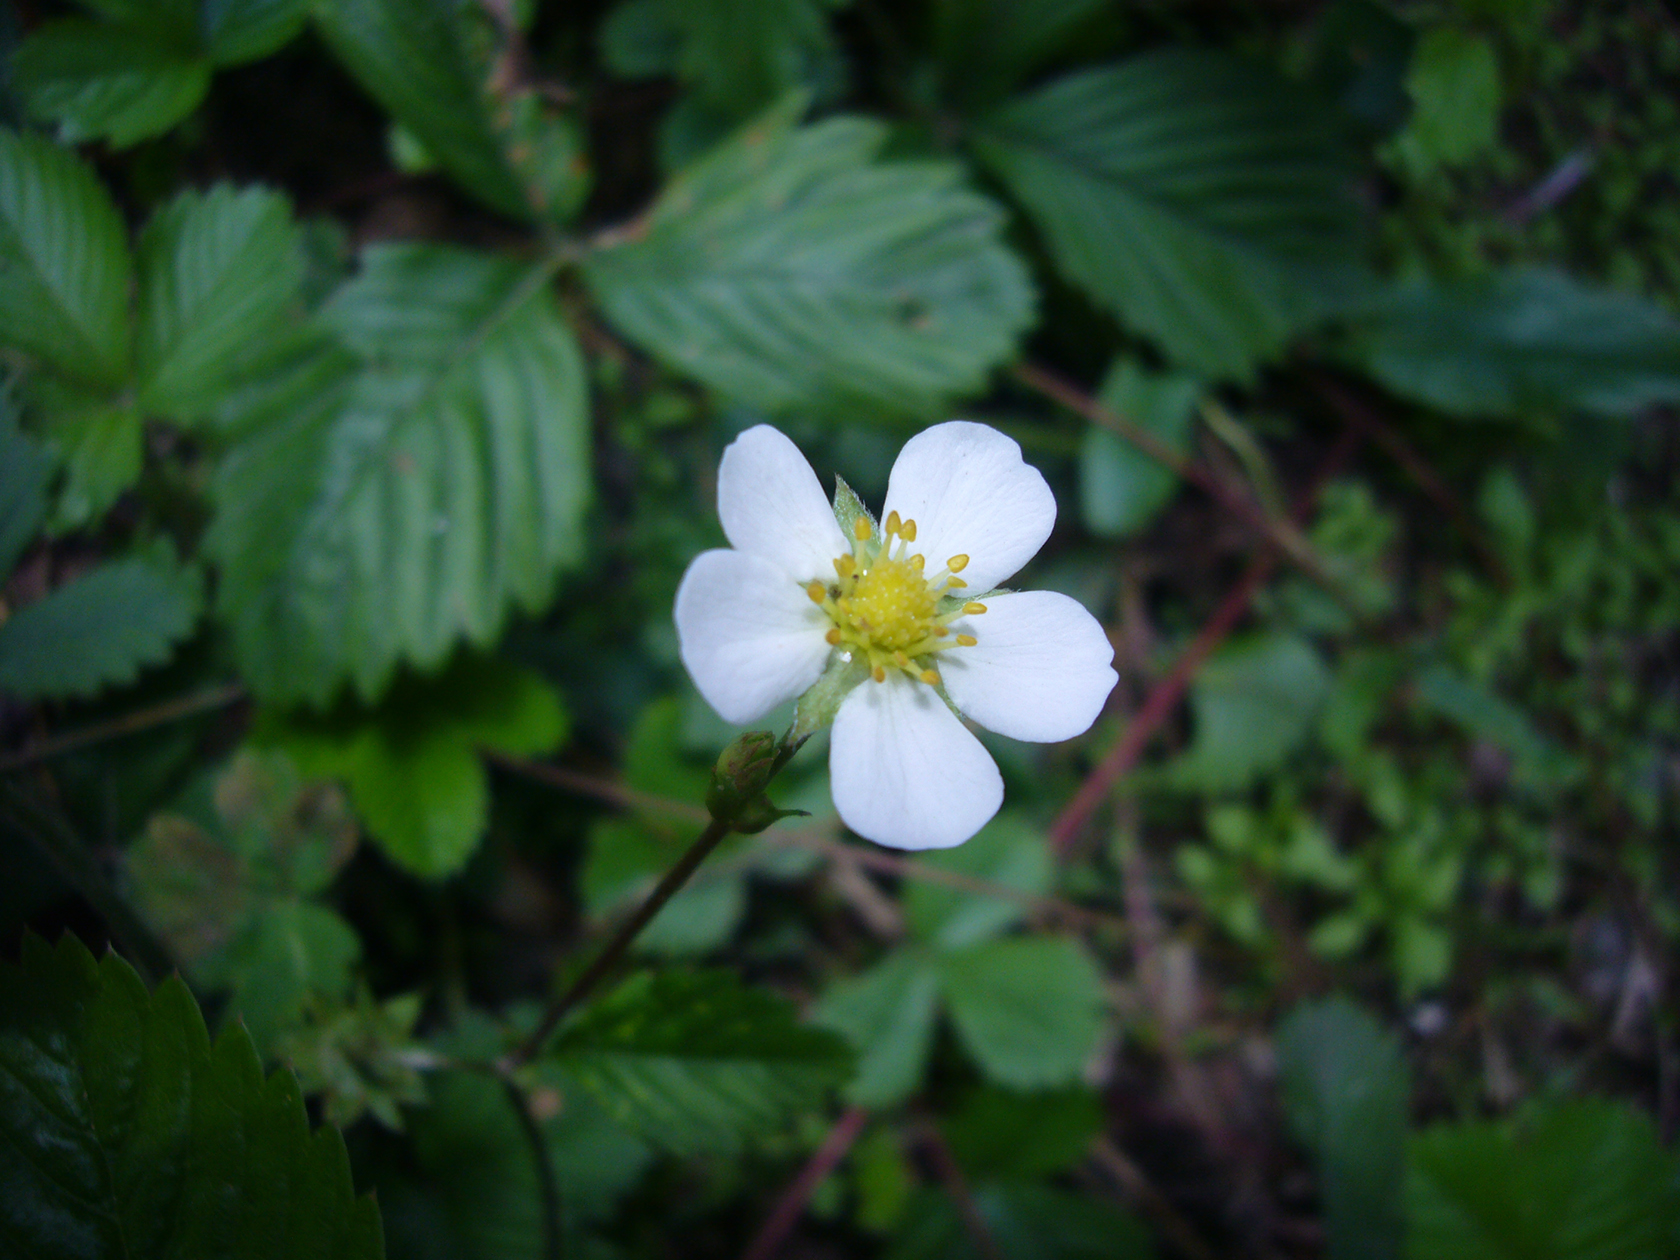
(760,623)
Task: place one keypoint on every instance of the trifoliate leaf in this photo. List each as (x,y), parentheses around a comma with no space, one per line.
(109,81)
(1254,703)
(1204,202)
(415,502)
(697,1062)
(64,262)
(1028,1009)
(792,271)
(216,271)
(1453,83)
(414,57)
(1520,342)
(123,1131)
(413,765)
(1584,1180)
(1344,1084)
(101,450)
(1121,488)
(99,630)
(887,1013)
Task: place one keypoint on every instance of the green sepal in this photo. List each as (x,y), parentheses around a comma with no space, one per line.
(821,701)
(848,508)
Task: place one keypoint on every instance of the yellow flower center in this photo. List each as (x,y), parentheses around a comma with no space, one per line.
(885,607)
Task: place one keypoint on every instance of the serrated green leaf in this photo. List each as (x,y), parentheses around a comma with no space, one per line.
(24,473)
(101,451)
(1584,1180)
(416,502)
(1254,703)
(1028,1009)
(216,271)
(1009,852)
(1519,342)
(127,1133)
(1206,203)
(698,1062)
(1121,489)
(109,81)
(99,630)
(236,31)
(1345,1090)
(887,1013)
(64,262)
(412,56)
(790,270)
(292,951)
(413,765)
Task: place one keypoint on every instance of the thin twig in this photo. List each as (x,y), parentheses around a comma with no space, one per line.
(127,724)
(956,1185)
(582,783)
(1282,534)
(794,1200)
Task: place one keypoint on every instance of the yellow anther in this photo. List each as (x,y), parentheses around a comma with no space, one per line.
(930,677)
(879,673)
(974,609)
(918,562)
(892,524)
(817,591)
(845,566)
(955,581)
(957,563)
(907,531)
(833,636)
(901,660)
(939,632)
(967,640)
(861,529)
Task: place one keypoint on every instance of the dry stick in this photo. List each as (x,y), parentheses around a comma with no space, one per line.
(1167,693)
(128,724)
(791,1206)
(616,948)
(1143,1192)
(1282,534)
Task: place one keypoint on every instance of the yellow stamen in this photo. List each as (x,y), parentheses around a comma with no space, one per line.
(901,660)
(833,636)
(879,673)
(957,563)
(967,640)
(861,529)
(893,524)
(845,566)
(930,677)
(955,581)
(974,609)
(907,531)
(817,592)
(939,632)
(918,562)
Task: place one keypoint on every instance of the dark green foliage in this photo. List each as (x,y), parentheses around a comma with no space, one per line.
(1205,203)
(791,270)
(128,1133)
(427,489)
(100,629)
(696,1062)
(1345,1089)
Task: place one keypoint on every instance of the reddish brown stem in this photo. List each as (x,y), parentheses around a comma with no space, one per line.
(956,1185)
(791,1206)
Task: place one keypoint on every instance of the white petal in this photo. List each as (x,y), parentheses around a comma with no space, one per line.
(1040,670)
(905,771)
(772,505)
(969,493)
(750,636)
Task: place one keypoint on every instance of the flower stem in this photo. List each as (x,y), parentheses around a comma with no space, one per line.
(668,887)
